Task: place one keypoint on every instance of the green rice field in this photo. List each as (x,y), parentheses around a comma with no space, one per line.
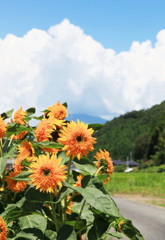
(142,183)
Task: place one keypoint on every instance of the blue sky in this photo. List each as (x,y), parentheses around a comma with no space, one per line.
(114,23)
(101,56)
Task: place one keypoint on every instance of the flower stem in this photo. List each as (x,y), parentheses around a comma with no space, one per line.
(54,213)
(83,228)
(97,172)
(82,207)
(69,167)
(1,148)
(67,180)
(2,177)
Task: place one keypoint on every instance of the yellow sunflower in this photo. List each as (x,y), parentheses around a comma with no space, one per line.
(78,182)
(13,185)
(69,205)
(104,161)
(25,150)
(58,111)
(77,139)
(3,127)
(19,116)
(46,127)
(19,136)
(3,229)
(51,150)
(47,173)
(18,165)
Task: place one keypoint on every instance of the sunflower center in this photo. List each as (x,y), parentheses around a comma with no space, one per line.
(31,152)
(79,138)
(46,172)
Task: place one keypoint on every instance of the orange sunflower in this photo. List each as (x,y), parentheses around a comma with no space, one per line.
(47,173)
(19,136)
(14,185)
(51,150)
(104,161)
(78,182)
(77,139)
(18,167)
(25,150)
(3,229)
(3,127)
(69,205)
(58,111)
(46,127)
(19,116)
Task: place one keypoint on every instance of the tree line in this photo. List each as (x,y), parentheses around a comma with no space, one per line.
(137,135)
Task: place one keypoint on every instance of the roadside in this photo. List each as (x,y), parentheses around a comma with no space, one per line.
(148,219)
(151,200)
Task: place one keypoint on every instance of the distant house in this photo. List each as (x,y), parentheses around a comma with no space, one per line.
(133,164)
(129,163)
(118,162)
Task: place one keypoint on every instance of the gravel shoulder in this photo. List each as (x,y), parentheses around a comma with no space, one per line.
(143,199)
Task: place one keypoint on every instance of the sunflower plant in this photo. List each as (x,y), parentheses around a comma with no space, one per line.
(49,186)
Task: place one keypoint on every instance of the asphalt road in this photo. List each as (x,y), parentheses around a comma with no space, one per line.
(150,220)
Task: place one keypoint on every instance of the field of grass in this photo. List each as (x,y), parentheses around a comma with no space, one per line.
(141,183)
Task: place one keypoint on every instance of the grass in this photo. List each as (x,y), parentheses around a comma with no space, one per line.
(139,183)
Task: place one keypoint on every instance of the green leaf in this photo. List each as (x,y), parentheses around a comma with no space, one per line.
(21,208)
(27,118)
(11,124)
(66,232)
(12,212)
(7,114)
(32,234)
(51,234)
(11,129)
(92,234)
(30,111)
(98,200)
(102,177)
(33,194)
(9,155)
(98,184)
(64,191)
(3,161)
(23,176)
(100,224)
(65,104)
(48,144)
(14,128)
(116,235)
(86,214)
(65,158)
(86,168)
(80,224)
(33,221)
(86,181)
(25,163)
(38,118)
(131,231)
(25,236)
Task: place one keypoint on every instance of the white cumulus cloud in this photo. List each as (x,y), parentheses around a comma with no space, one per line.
(65,64)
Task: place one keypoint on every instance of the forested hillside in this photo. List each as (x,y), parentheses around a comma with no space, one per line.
(139,135)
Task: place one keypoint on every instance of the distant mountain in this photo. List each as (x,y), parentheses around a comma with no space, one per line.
(86,118)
